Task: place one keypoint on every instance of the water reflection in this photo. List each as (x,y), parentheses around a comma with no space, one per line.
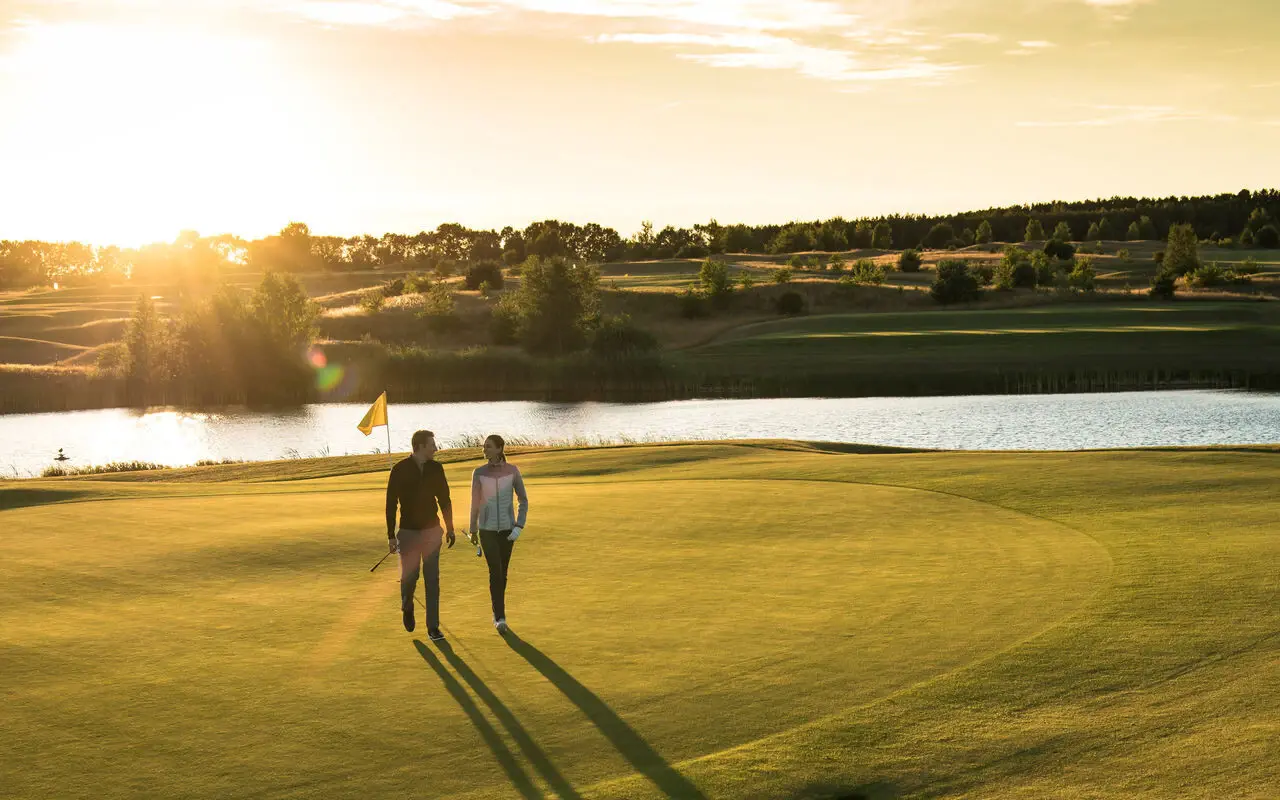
(28,442)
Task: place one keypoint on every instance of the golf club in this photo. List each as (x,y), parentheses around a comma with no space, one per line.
(474,538)
(384,558)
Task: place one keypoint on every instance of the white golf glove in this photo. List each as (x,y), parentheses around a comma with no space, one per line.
(515,534)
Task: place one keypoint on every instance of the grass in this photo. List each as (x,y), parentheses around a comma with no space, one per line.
(792,622)
(1185,338)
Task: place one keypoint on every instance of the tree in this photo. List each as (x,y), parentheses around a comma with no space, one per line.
(1104,229)
(1059,250)
(1267,236)
(1182,255)
(284,313)
(1062,232)
(1015,270)
(1094,233)
(555,306)
(909,261)
(1147,228)
(882,236)
(1164,285)
(939,236)
(832,235)
(1035,231)
(737,239)
(1134,233)
(792,239)
(145,343)
(489,272)
(967,237)
(954,284)
(715,281)
(1083,276)
(862,234)
(984,234)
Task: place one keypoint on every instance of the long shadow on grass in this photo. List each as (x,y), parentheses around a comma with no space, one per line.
(531,750)
(519,779)
(622,736)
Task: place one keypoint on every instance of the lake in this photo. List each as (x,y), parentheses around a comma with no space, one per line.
(28,442)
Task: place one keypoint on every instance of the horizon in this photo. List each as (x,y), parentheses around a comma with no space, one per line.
(400,115)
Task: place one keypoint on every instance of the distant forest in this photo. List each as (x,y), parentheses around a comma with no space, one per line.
(1245,219)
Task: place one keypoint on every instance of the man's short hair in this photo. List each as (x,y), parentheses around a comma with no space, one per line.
(420,438)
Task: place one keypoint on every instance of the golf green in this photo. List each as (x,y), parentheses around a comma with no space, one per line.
(720,621)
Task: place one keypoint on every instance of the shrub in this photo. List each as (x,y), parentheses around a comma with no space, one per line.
(437,308)
(556,305)
(795,262)
(867,271)
(393,288)
(417,283)
(836,264)
(1267,236)
(1084,277)
(747,281)
(373,300)
(791,304)
(1248,267)
(693,305)
(715,281)
(446,267)
(955,283)
(504,324)
(1158,257)
(1044,268)
(1123,254)
(782,275)
(1015,270)
(909,261)
(619,336)
(693,250)
(983,273)
(1060,250)
(1163,285)
(489,272)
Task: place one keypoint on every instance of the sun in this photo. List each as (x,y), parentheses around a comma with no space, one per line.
(128,133)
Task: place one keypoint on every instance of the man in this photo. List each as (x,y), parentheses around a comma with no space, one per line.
(417,484)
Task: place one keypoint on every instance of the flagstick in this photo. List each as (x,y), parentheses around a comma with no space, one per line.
(390,459)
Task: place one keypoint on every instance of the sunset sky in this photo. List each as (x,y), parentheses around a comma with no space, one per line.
(127,121)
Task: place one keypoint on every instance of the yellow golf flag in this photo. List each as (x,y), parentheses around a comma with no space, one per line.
(377,415)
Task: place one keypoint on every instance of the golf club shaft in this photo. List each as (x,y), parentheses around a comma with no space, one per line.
(384,558)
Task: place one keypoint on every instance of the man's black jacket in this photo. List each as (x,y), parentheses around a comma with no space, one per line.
(417,490)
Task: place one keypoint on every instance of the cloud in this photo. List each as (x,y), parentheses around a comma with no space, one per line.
(1028,48)
(1121,115)
(380,13)
(977,38)
(770,51)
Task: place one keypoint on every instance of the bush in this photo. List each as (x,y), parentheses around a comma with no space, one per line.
(1014,270)
(1123,254)
(1247,267)
(1060,250)
(791,304)
(693,250)
(985,274)
(437,308)
(393,288)
(1267,236)
(693,305)
(1206,276)
(417,283)
(1158,257)
(489,272)
(909,261)
(504,324)
(782,275)
(955,283)
(1164,285)
(836,263)
(373,300)
(1084,277)
(746,281)
(1246,238)
(618,336)
(1044,268)
(715,281)
(867,271)
(556,304)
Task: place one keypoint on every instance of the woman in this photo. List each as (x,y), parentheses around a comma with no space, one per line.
(494,515)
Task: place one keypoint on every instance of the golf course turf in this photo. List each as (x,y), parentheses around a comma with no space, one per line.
(704,620)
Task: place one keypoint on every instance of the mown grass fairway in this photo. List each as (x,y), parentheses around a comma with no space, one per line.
(742,620)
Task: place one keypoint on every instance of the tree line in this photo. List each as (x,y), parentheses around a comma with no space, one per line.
(1247,219)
